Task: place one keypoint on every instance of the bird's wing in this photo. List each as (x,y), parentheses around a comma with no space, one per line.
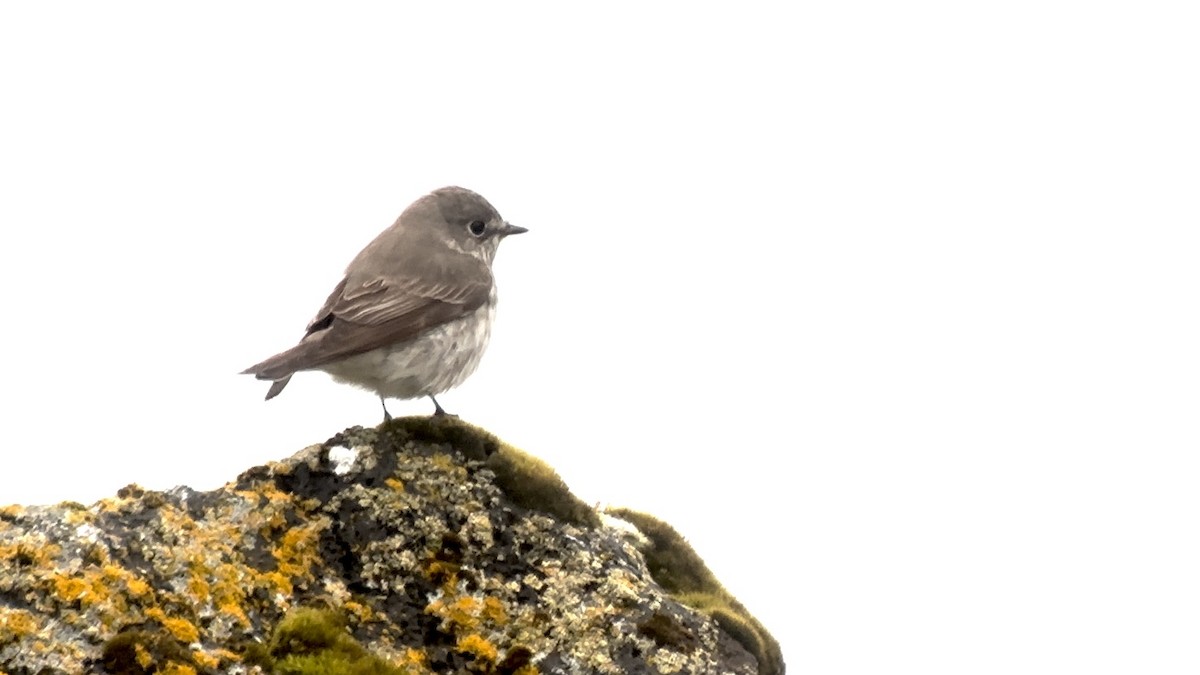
(359,317)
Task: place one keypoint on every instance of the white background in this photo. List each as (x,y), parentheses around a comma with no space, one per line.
(891,308)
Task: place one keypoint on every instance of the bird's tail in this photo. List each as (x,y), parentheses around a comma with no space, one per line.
(277,386)
(276,369)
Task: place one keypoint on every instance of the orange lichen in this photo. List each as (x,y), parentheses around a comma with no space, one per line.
(493,611)
(475,644)
(69,589)
(138,587)
(414,657)
(206,660)
(461,613)
(79,517)
(298,551)
(273,506)
(447,463)
(198,587)
(445,572)
(359,610)
(227,593)
(236,612)
(112,576)
(182,629)
(34,553)
(142,656)
(277,582)
(16,623)
(467,613)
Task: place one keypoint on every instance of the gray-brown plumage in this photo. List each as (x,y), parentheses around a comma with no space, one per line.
(413,315)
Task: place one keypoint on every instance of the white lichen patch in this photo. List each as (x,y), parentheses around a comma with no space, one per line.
(87,532)
(342,459)
(627,530)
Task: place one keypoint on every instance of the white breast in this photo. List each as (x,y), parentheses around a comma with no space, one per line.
(437,360)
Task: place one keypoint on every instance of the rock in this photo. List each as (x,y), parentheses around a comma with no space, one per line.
(422,546)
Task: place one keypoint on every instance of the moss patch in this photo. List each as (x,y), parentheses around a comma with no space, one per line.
(311,641)
(528,481)
(677,567)
(140,652)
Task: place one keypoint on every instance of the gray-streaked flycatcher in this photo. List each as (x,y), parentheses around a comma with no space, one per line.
(413,315)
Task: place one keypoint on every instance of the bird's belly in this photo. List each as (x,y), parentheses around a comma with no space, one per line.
(437,360)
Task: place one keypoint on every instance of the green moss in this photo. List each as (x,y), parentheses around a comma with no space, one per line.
(140,652)
(532,484)
(470,440)
(526,480)
(517,658)
(310,641)
(677,567)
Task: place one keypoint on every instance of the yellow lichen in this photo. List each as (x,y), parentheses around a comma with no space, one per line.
(198,586)
(275,509)
(236,612)
(475,644)
(182,629)
(493,610)
(206,660)
(468,614)
(172,668)
(395,483)
(70,589)
(227,592)
(79,517)
(16,623)
(464,612)
(445,572)
(446,463)
(142,656)
(414,657)
(278,582)
(137,587)
(359,610)
(30,553)
(527,669)
(298,551)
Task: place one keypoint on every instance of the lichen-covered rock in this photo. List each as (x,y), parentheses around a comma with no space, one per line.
(422,546)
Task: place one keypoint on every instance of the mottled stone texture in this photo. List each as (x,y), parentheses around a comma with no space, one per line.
(428,545)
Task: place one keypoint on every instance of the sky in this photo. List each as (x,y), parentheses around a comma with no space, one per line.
(890,308)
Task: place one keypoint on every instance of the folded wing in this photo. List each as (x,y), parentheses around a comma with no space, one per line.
(361,316)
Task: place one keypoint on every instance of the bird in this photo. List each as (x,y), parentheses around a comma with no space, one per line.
(413,314)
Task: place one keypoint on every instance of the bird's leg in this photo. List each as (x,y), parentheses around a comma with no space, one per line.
(387,417)
(437,408)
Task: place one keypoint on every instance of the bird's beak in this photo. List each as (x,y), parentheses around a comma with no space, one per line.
(509,228)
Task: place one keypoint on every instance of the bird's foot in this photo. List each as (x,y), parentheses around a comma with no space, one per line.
(438,411)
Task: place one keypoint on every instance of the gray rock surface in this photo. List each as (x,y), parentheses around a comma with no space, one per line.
(422,546)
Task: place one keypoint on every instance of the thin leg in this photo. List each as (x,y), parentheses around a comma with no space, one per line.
(387,417)
(437,408)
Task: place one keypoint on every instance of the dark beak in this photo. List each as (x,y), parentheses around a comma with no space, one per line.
(509,228)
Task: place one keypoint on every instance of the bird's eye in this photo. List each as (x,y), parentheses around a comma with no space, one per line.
(477,227)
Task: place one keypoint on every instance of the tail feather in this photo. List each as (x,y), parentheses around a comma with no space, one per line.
(277,386)
(278,368)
